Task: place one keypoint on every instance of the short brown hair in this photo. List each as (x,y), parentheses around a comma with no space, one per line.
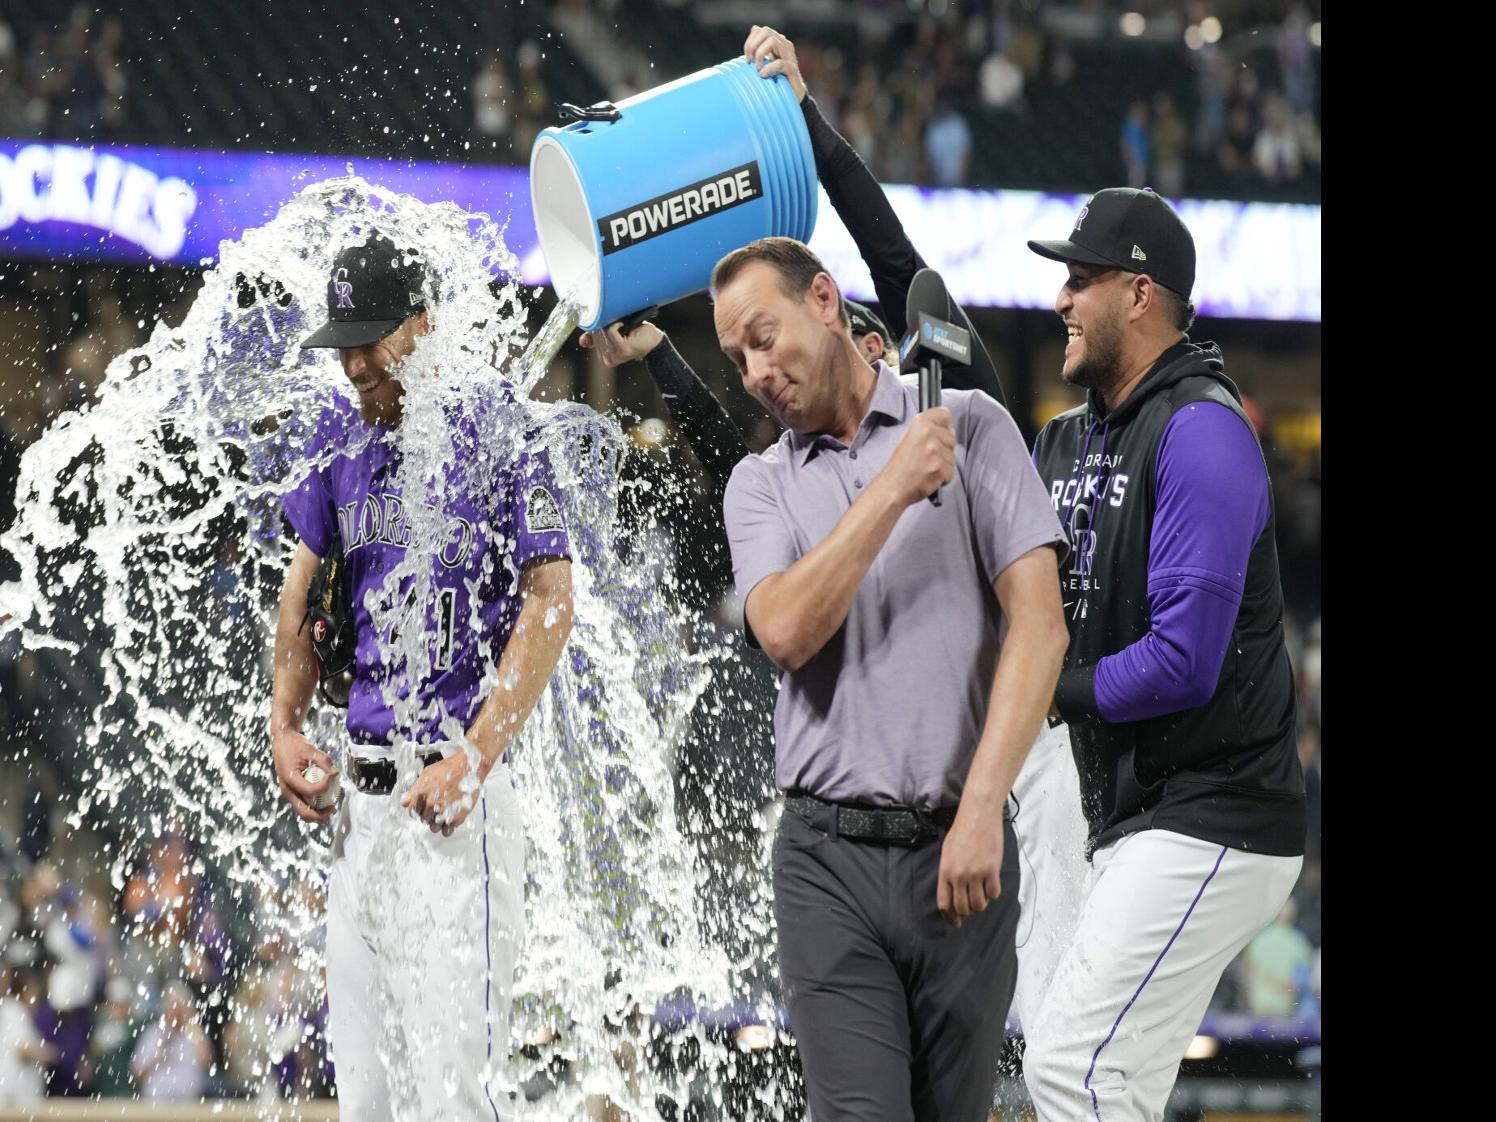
(793,260)
(1179,310)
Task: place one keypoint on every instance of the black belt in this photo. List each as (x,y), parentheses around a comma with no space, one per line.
(376,775)
(889,825)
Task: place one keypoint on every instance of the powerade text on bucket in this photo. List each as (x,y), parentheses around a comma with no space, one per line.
(635,212)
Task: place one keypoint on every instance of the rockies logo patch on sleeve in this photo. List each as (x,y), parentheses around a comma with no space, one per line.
(542,514)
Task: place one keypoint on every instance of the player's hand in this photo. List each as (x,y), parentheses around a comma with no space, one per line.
(971,862)
(924,459)
(292,753)
(615,348)
(774,54)
(444,794)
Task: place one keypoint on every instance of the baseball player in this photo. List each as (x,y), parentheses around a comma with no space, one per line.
(428,837)
(1050,828)
(1177,686)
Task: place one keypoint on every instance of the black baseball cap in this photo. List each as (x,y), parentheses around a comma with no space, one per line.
(1131,229)
(864,319)
(373,289)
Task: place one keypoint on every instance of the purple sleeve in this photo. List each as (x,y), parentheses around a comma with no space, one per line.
(309,505)
(309,508)
(1211,505)
(540,524)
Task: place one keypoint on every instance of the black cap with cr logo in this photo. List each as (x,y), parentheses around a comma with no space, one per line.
(1126,228)
(373,289)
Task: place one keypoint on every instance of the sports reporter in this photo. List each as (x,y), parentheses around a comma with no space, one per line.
(917,647)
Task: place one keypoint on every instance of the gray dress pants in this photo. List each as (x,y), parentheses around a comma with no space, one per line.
(897,1015)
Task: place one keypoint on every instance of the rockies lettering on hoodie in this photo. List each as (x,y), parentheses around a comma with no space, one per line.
(1177,686)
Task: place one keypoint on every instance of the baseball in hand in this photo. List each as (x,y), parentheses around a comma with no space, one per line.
(329,798)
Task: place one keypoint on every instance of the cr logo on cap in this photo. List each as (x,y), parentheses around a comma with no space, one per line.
(1081,217)
(344,290)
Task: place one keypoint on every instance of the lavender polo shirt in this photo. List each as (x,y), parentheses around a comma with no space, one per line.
(889,712)
(355,505)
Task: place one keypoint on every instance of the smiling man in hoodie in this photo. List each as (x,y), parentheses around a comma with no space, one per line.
(1176,687)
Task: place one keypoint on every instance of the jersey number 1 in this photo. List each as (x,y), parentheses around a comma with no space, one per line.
(446,621)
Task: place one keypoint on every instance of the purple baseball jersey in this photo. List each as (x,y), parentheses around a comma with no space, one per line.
(353,504)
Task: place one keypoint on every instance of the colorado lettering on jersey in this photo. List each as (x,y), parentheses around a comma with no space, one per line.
(680,208)
(1078,498)
(1112,487)
(381,519)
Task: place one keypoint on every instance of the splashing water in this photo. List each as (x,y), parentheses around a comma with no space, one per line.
(151,541)
(547,341)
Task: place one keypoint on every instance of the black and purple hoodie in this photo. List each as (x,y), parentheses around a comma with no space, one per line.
(1177,686)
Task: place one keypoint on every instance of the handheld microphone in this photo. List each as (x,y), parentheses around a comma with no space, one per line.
(933,341)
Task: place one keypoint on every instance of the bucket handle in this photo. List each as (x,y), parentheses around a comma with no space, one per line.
(597,111)
(633,320)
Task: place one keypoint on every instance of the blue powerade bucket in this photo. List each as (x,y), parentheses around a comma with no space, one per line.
(634,212)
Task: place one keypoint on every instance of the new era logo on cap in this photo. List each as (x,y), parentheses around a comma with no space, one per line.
(1117,221)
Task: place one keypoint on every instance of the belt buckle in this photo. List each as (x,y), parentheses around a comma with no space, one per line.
(924,824)
(362,771)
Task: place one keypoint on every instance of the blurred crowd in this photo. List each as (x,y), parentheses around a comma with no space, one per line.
(918,92)
(511,102)
(143,993)
(1254,121)
(69,80)
(1208,97)
(1278,974)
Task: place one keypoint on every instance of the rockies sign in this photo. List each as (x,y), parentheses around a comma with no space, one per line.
(679,208)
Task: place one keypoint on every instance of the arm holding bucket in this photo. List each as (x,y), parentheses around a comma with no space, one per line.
(713,436)
(853,190)
(890,256)
(866,212)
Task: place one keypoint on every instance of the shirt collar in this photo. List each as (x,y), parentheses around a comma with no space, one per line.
(889,402)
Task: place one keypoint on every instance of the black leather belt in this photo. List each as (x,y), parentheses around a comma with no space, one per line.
(887,825)
(376,775)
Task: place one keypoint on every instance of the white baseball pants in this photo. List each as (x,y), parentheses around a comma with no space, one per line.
(1163,916)
(422,936)
(1052,861)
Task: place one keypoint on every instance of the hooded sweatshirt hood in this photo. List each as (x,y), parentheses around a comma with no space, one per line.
(1182,360)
